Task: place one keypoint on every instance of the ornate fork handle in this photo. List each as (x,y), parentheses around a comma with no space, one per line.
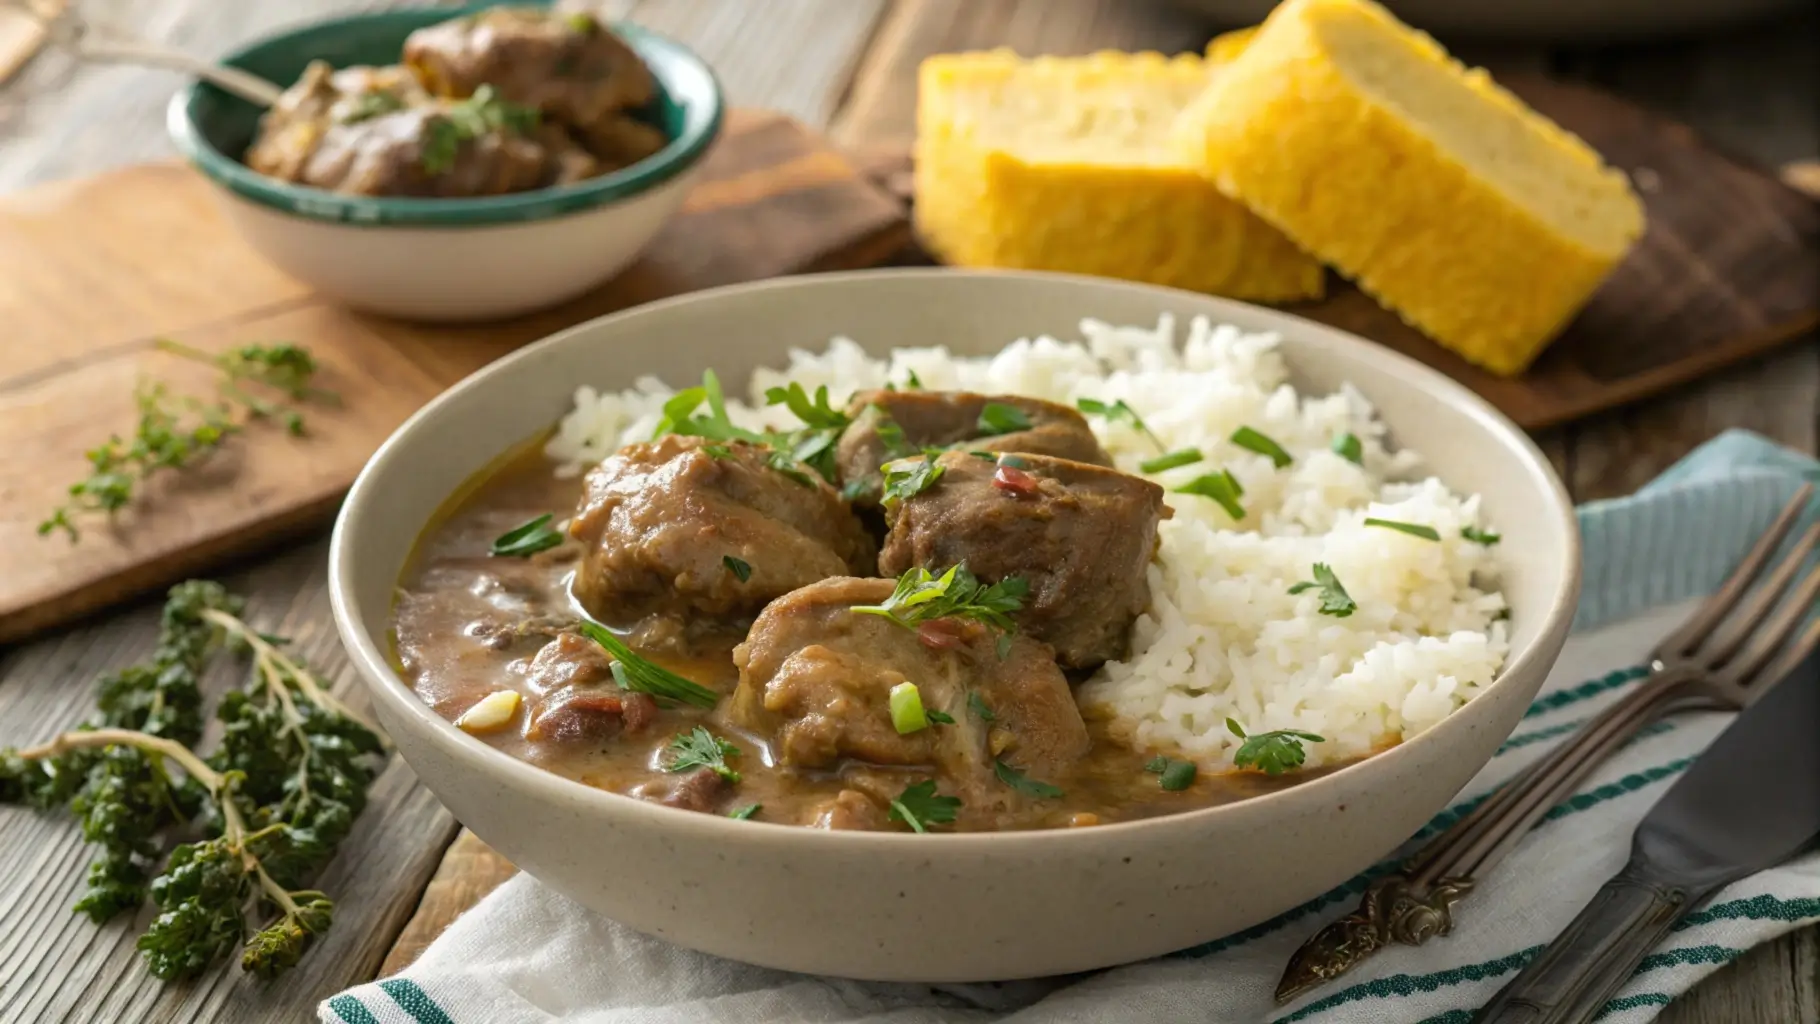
(1415,904)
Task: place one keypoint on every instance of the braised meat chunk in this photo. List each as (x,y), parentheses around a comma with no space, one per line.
(1081,536)
(376,132)
(685,527)
(567,66)
(816,677)
(893,424)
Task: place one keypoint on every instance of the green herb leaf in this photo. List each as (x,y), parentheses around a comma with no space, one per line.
(852,490)
(1478,536)
(919,806)
(1347,447)
(469,119)
(907,478)
(680,415)
(739,567)
(1179,457)
(1222,487)
(813,411)
(998,418)
(915,383)
(1118,412)
(700,748)
(1334,599)
(1272,753)
(745,813)
(891,434)
(782,463)
(906,703)
(977,705)
(527,539)
(639,675)
(940,717)
(921,596)
(1251,440)
(1024,784)
(1413,529)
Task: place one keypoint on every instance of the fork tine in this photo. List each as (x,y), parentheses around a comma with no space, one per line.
(1786,661)
(1773,633)
(1701,623)
(1734,629)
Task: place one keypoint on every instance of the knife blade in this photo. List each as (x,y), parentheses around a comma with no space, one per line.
(1751,801)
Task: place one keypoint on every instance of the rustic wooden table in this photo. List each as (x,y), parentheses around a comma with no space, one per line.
(846,66)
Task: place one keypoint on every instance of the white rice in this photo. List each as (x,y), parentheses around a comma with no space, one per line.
(1224,638)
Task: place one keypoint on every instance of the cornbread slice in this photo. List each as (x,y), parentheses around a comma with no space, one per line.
(1066,164)
(1476,219)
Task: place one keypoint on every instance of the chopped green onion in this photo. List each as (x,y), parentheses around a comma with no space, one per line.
(1478,536)
(1179,457)
(1176,775)
(527,539)
(998,418)
(1347,447)
(738,567)
(907,709)
(745,813)
(635,673)
(1251,440)
(1222,487)
(1413,529)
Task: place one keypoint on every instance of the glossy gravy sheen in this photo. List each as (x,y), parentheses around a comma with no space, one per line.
(454,595)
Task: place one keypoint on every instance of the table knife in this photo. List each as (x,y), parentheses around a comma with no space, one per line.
(1750,802)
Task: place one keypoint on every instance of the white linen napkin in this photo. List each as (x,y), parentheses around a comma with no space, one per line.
(526,955)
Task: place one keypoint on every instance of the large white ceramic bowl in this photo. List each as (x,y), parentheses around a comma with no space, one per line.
(452,259)
(938,907)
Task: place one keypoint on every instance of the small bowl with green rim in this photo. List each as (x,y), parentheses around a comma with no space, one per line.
(445,259)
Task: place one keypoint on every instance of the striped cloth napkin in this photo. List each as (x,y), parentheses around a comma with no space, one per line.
(526,955)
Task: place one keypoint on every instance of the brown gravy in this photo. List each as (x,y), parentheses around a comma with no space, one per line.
(454,596)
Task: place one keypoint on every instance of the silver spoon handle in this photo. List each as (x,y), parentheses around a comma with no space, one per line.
(247,86)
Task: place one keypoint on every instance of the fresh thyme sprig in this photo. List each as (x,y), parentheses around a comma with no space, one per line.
(176,431)
(282,791)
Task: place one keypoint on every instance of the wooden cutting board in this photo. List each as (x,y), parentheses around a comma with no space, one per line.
(91,271)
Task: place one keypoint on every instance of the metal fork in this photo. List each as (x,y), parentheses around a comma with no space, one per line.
(65,27)
(1729,653)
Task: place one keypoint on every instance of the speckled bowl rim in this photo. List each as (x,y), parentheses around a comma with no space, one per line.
(683,74)
(386,686)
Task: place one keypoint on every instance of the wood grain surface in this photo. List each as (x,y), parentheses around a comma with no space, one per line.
(843,64)
(95,269)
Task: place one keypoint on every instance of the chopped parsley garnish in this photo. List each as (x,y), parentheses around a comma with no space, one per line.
(998,418)
(1272,753)
(1179,457)
(739,567)
(919,806)
(468,120)
(814,444)
(745,813)
(1347,447)
(1413,529)
(785,465)
(635,673)
(813,411)
(1478,536)
(717,451)
(700,748)
(680,415)
(907,715)
(907,478)
(368,105)
(1025,784)
(921,596)
(977,705)
(1118,412)
(939,717)
(1335,601)
(915,383)
(1251,440)
(527,539)
(1175,775)
(891,434)
(1222,487)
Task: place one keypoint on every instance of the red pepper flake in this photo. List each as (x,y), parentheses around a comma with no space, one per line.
(942,634)
(1014,481)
